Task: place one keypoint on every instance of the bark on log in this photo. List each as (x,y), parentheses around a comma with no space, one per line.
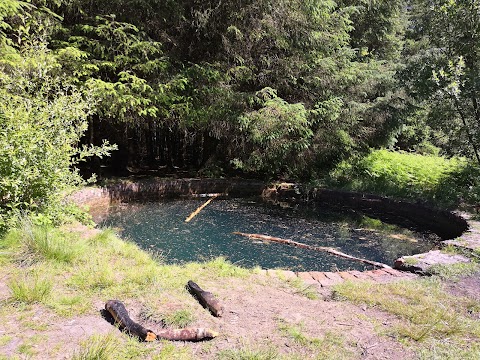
(120,314)
(311,247)
(189,334)
(200,208)
(206,299)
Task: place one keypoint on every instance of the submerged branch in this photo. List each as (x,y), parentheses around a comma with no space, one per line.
(311,247)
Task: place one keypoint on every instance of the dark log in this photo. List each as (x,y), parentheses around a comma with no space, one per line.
(310,247)
(120,314)
(206,299)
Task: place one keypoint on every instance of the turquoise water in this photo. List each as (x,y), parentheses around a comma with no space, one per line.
(161,227)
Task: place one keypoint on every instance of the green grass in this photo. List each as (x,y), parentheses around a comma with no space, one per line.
(30,289)
(97,348)
(248,353)
(454,271)
(330,346)
(45,243)
(435,179)
(179,318)
(428,314)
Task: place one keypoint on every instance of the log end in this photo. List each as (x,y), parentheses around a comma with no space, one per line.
(151,336)
(206,334)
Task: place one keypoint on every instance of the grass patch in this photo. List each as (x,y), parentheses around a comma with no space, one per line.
(309,291)
(429,315)
(248,353)
(453,271)
(30,289)
(412,176)
(179,318)
(97,348)
(330,346)
(37,243)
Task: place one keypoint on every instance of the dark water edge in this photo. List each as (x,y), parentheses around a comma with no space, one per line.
(161,227)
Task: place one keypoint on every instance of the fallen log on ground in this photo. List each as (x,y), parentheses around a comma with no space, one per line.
(120,314)
(311,247)
(189,334)
(206,299)
(200,208)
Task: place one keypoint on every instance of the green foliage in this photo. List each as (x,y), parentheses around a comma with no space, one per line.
(277,132)
(427,177)
(42,118)
(442,71)
(9,8)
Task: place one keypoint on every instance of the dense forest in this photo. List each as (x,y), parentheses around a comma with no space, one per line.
(276,89)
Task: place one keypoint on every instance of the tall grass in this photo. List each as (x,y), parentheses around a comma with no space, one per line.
(45,242)
(413,176)
(30,289)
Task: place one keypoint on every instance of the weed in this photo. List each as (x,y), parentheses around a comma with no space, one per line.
(45,242)
(429,314)
(179,318)
(453,271)
(171,352)
(97,348)
(247,353)
(103,238)
(309,291)
(95,277)
(330,346)
(30,289)
(5,339)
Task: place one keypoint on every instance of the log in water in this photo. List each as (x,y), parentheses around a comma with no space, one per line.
(160,227)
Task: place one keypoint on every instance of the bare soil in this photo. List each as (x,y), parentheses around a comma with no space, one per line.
(254,310)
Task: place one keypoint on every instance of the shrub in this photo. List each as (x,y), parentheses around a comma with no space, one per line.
(42,118)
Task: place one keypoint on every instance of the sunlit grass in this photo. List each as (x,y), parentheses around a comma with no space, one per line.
(330,346)
(408,175)
(429,314)
(30,288)
(250,353)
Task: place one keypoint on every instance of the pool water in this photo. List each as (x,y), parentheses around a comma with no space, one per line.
(161,227)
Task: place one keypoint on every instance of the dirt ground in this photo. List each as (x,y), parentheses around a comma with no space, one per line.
(253,312)
(254,309)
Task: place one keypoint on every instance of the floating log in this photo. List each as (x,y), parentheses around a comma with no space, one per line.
(120,314)
(311,247)
(206,299)
(200,208)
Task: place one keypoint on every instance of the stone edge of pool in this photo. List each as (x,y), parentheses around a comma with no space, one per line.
(454,229)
